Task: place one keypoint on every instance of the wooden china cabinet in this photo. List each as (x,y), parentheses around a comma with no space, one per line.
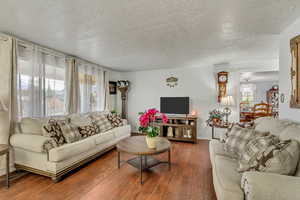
(273,100)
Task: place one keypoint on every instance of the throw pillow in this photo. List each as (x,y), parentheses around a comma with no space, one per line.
(80,119)
(115,120)
(70,132)
(88,130)
(102,122)
(31,126)
(237,139)
(252,149)
(279,157)
(48,145)
(52,129)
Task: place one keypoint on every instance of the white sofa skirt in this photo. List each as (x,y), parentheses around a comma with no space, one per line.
(61,158)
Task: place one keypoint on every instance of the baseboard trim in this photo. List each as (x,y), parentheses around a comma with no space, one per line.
(11,169)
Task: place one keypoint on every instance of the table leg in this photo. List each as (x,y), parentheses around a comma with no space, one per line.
(7,169)
(146,165)
(169,158)
(213,132)
(141,169)
(119,159)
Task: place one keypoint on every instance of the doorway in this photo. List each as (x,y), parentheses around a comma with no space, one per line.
(259,95)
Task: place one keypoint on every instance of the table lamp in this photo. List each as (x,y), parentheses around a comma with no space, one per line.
(227,101)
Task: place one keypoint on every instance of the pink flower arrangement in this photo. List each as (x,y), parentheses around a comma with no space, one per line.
(150,116)
(147,118)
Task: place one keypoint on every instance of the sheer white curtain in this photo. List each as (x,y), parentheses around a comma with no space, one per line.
(92,87)
(40,81)
(72,89)
(106,105)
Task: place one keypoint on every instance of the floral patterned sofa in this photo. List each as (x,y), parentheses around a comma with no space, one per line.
(54,146)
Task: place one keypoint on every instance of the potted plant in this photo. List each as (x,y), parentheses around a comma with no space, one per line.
(147,120)
(215,117)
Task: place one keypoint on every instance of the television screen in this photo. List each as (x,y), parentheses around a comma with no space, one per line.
(175,105)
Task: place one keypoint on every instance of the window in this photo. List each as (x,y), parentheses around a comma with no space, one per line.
(91,83)
(40,82)
(247,93)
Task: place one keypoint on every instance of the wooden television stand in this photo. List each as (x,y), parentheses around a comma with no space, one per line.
(179,128)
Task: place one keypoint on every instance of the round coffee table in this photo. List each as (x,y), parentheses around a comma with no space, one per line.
(137,145)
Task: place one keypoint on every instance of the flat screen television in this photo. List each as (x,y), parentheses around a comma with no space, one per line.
(175,105)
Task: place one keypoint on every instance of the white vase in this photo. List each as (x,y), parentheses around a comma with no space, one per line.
(151,142)
(170,132)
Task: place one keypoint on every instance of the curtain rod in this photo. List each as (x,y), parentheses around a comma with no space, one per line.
(68,56)
(40,48)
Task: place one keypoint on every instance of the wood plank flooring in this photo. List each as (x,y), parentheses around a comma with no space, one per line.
(189,179)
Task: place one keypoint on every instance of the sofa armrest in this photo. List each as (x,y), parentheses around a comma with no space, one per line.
(35,143)
(268,186)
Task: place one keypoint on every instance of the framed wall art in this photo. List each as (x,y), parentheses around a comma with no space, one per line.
(295,72)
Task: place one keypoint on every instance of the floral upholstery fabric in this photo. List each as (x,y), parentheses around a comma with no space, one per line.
(49,144)
(115,120)
(53,130)
(89,130)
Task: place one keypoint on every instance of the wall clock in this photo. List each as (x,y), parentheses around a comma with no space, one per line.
(172,81)
(222,82)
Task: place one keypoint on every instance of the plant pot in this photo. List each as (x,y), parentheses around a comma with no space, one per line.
(216,121)
(151,142)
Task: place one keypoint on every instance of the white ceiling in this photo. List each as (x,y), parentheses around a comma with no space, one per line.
(267,76)
(130,35)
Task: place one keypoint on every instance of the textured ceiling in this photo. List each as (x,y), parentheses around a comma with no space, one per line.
(143,34)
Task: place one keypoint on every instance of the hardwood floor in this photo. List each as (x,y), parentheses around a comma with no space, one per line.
(189,178)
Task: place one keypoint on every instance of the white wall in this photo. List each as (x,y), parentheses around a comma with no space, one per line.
(261,90)
(148,86)
(284,74)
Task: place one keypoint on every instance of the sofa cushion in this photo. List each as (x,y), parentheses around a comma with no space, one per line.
(238,138)
(281,158)
(115,120)
(122,131)
(33,143)
(227,179)
(290,132)
(31,126)
(103,123)
(68,150)
(88,130)
(272,125)
(269,154)
(53,130)
(104,137)
(248,159)
(217,148)
(70,132)
(80,120)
